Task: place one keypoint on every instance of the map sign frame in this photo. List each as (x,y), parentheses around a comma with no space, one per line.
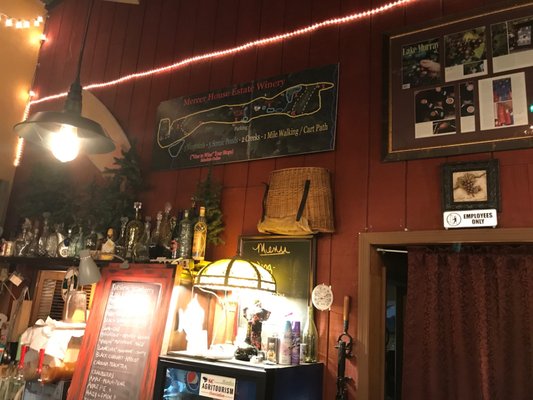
(280,116)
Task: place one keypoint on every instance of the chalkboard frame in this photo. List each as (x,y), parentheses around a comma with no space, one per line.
(142,273)
(307,266)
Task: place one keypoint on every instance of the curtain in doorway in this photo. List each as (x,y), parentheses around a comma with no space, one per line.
(468,330)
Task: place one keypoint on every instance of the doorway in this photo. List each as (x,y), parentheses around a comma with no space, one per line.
(372,292)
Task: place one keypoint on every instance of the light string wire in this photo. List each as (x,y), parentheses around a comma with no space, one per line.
(237,49)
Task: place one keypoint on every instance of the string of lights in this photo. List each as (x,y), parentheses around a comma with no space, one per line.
(20,23)
(237,49)
(216,54)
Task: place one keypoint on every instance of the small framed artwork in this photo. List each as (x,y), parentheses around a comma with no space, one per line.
(470,185)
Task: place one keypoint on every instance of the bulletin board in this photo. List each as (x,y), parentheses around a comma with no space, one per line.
(460,85)
(124,333)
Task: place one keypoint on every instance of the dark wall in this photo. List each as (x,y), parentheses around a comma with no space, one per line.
(369,195)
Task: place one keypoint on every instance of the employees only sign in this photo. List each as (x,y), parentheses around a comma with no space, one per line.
(470,219)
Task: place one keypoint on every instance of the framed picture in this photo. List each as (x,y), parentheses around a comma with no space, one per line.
(470,186)
(461,85)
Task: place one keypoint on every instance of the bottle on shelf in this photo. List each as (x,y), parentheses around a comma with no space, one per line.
(165,230)
(199,237)
(53,241)
(185,238)
(295,347)
(91,241)
(141,249)
(33,248)
(154,248)
(108,247)
(134,230)
(120,244)
(76,242)
(309,339)
(285,343)
(45,236)
(175,242)
(23,241)
(64,245)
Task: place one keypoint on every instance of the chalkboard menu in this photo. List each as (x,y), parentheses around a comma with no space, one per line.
(291,259)
(123,337)
(124,340)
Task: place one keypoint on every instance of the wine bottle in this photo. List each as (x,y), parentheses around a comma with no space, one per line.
(120,244)
(134,231)
(199,237)
(155,250)
(185,239)
(165,230)
(309,344)
(141,249)
(45,234)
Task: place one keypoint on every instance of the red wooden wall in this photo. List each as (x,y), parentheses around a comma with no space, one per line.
(369,195)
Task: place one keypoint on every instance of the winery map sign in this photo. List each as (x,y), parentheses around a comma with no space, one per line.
(280,116)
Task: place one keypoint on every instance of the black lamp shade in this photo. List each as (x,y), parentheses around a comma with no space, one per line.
(41,126)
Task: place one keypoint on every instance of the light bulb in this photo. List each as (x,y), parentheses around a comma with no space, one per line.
(65,144)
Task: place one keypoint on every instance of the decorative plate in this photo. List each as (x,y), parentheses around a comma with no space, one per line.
(322,297)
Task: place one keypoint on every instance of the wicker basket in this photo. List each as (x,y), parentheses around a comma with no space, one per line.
(286,197)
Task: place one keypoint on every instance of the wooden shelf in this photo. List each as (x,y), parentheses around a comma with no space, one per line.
(47,262)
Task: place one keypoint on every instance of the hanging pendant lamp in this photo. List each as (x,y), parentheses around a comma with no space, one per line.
(67,133)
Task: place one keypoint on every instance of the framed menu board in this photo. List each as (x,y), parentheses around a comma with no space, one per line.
(292,261)
(122,341)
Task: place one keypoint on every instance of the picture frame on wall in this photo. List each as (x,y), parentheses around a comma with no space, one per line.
(470,185)
(460,85)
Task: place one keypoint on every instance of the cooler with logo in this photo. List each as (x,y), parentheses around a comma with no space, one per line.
(196,378)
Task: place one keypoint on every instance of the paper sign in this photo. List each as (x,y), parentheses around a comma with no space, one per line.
(217,387)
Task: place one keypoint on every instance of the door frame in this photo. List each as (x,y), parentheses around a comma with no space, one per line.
(371,291)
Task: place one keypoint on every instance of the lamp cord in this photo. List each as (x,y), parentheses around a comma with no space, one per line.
(86,31)
(74,96)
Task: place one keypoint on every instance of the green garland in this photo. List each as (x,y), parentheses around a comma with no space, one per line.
(50,188)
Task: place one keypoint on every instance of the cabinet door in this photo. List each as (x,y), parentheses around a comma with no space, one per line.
(49,297)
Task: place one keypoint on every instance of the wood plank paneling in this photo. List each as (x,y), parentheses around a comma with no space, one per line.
(369,195)
(386,196)
(128,64)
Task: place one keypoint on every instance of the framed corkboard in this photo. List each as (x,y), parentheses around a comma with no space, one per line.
(460,85)
(123,337)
